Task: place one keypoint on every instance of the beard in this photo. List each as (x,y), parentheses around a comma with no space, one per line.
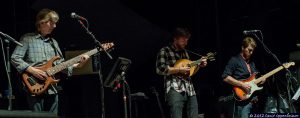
(180,46)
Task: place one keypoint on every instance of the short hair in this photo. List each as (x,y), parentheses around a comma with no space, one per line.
(46,15)
(248,41)
(181,32)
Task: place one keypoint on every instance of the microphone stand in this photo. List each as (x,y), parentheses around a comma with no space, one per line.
(123,82)
(126,99)
(289,74)
(6,58)
(98,44)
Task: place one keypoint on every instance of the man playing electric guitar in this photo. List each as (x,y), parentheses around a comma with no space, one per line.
(241,67)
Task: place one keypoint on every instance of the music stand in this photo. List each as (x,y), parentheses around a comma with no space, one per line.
(117,72)
(117,75)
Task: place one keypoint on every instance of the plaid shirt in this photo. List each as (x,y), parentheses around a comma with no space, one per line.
(167,57)
(36,51)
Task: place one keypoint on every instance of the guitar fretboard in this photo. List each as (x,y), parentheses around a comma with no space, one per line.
(195,62)
(273,72)
(209,57)
(53,70)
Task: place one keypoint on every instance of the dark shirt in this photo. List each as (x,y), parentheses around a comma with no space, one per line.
(167,57)
(237,68)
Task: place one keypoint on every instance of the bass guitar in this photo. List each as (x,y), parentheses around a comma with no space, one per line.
(37,86)
(252,82)
(193,64)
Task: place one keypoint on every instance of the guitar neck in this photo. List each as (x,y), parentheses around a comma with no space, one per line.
(209,57)
(268,74)
(196,62)
(53,70)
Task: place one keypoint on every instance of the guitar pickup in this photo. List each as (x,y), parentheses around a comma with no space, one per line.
(31,81)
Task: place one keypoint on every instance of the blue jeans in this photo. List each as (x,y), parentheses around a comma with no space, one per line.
(43,102)
(177,101)
(242,111)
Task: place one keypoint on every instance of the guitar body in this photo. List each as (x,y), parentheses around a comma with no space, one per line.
(241,94)
(185,63)
(37,86)
(192,64)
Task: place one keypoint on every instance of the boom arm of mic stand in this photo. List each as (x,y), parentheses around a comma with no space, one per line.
(95,40)
(274,56)
(100,75)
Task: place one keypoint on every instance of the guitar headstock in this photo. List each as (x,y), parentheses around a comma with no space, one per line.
(107,46)
(287,65)
(211,56)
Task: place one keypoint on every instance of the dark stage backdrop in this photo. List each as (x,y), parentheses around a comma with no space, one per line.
(139,28)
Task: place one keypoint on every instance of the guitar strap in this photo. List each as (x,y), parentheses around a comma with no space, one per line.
(248,66)
(57,52)
(186,55)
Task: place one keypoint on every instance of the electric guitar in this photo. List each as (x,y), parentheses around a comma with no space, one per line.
(37,86)
(252,81)
(193,64)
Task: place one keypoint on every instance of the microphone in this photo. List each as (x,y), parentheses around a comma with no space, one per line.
(75,16)
(11,39)
(246,32)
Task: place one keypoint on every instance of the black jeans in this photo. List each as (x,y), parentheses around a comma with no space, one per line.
(43,102)
(177,101)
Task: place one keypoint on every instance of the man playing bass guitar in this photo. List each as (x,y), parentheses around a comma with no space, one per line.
(39,47)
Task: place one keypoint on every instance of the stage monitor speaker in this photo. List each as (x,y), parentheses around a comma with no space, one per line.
(26,114)
(84,70)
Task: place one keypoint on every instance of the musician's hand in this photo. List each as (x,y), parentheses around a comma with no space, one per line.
(203,62)
(83,60)
(37,73)
(184,70)
(246,87)
(262,81)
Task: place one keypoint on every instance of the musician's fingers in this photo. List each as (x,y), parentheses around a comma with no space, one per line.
(83,58)
(40,77)
(44,75)
(248,87)
(187,69)
(86,57)
(263,81)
